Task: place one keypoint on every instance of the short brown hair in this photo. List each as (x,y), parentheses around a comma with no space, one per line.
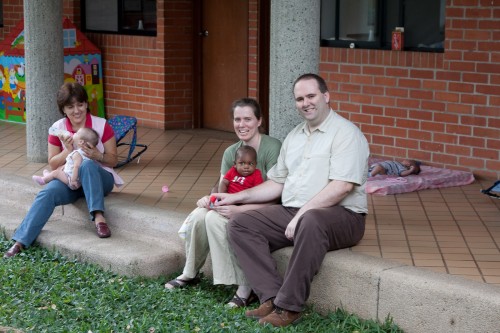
(69,93)
(311,76)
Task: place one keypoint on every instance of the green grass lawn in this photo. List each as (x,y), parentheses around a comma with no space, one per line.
(41,291)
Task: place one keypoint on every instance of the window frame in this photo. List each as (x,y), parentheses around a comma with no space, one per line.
(383,43)
(120,12)
(1,14)
(69,38)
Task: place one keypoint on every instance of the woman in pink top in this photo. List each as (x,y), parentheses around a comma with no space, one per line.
(96,175)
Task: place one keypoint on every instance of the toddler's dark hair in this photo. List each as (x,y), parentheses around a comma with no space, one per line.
(416,164)
(245,150)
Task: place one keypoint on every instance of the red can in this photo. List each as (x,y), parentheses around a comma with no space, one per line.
(397,41)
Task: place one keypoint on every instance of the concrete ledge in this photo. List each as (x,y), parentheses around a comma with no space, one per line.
(145,242)
(144,239)
(425,301)
(417,299)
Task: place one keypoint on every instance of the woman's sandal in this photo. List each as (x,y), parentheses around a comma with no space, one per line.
(240,302)
(179,283)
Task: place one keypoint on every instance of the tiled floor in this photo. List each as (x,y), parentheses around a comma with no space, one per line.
(453,230)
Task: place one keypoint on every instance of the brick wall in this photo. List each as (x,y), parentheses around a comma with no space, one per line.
(148,77)
(71,10)
(253,47)
(440,108)
(12,14)
(151,77)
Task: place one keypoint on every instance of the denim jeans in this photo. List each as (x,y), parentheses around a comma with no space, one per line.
(96,183)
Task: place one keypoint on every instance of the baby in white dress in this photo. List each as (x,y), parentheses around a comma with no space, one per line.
(68,173)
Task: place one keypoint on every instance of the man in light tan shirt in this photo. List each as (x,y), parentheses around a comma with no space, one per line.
(320,176)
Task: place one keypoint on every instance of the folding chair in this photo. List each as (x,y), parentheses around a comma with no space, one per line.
(122,125)
(493,191)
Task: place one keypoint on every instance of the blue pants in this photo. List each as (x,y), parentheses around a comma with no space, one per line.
(96,183)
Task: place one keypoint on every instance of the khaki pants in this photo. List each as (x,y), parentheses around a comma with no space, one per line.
(205,231)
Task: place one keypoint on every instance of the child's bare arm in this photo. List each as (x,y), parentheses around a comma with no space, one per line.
(215,188)
(223,185)
(407,172)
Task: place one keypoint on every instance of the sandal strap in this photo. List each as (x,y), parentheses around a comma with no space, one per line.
(239,302)
(180,283)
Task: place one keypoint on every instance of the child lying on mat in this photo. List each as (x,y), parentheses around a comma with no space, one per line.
(394,168)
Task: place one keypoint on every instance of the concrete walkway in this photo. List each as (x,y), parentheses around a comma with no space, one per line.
(145,242)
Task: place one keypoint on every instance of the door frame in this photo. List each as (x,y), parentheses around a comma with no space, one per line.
(197,65)
(264,13)
(264,33)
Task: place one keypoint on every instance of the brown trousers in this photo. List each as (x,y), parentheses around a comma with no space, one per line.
(254,234)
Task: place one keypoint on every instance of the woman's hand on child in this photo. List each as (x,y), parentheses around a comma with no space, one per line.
(91,152)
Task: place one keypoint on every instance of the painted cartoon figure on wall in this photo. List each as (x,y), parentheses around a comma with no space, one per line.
(13,90)
(82,64)
(17,83)
(12,78)
(3,84)
(2,77)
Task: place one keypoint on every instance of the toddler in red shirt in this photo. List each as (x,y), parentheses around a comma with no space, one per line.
(243,174)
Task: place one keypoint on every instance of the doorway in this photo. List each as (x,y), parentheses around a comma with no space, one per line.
(221,65)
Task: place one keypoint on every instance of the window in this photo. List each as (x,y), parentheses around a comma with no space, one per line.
(369,23)
(1,13)
(128,17)
(69,38)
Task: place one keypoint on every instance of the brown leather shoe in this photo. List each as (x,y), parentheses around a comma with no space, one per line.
(103,230)
(263,310)
(14,250)
(281,317)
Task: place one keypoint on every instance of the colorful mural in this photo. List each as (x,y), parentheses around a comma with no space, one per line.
(82,64)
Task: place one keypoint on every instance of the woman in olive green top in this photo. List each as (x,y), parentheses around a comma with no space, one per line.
(205,229)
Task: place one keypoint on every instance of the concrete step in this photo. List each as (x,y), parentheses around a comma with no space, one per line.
(145,242)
